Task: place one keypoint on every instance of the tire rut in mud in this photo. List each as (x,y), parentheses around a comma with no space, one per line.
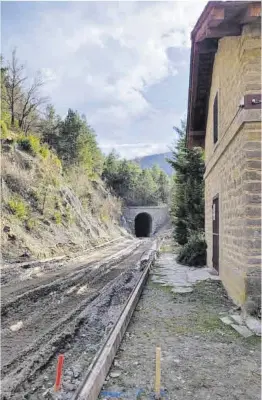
(38,311)
(85,325)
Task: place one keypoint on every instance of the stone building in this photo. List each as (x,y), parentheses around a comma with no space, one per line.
(224,117)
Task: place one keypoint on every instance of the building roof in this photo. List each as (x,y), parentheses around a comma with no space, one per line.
(218,19)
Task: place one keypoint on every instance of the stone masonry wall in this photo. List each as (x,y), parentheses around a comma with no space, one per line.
(159,215)
(233,169)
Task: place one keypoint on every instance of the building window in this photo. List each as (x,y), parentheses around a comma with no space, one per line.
(215,119)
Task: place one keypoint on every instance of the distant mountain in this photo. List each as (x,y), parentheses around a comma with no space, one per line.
(159,159)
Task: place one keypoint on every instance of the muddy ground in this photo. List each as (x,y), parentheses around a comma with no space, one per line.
(67,308)
(201,357)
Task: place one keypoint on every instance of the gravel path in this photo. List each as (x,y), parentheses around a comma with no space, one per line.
(202,358)
(69,312)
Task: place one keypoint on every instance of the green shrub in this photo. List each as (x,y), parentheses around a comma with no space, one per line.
(18,208)
(6,117)
(193,253)
(30,143)
(4,130)
(57,162)
(104,217)
(57,217)
(180,232)
(68,216)
(44,151)
(31,223)
(55,182)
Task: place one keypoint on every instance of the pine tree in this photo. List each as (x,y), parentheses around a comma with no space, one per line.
(50,127)
(188,198)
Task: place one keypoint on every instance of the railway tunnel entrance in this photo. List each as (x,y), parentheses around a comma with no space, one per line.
(143,225)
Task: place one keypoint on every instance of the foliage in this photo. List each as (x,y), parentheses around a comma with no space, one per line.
(134,185)
(20,97)
(30,223)
(193,253)
(68,215)
(188,194)
(18,207)
(6,118)
(57,217)
(73,140)
(50,127)
(30,143)
(44,151)
(55,161)
(4,130)
(70,142)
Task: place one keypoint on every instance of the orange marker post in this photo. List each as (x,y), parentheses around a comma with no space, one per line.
(59,368)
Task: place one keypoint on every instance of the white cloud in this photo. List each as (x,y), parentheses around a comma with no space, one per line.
(48,74)
(107,54)
(131,151)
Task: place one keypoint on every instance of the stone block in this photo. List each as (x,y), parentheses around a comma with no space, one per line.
(237,318)
(254,164)
(254,325)
(254,261)
(253,154)
(252,145)
(253,198)
(252,222)
(253,232)
(242,330)
(253,211)
(226,320)
(252,175)
(253,287)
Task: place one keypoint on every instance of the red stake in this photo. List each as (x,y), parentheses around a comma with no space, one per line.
(59,368)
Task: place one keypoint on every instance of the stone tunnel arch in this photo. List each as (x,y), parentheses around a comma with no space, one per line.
(143,224)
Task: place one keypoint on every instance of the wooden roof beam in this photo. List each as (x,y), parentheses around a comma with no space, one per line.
(217,15)
(197,134)
(252,13)
(229,30)
(206,47)
(214,19)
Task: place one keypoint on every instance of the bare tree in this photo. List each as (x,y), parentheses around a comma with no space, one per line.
(13,82)
(23,102)
(30,103)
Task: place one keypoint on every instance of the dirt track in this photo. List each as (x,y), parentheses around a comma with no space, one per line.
(201,357)
(63,307)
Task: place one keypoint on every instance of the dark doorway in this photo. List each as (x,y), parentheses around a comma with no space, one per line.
(143,225)
(215,217)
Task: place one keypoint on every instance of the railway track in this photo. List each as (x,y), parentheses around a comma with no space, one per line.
(71,312)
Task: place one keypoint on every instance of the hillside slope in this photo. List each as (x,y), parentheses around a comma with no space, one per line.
(47,212)
(158,159)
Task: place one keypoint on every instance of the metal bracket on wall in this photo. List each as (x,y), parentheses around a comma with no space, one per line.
(252,101)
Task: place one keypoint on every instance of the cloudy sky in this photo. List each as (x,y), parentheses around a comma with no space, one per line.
(123,64)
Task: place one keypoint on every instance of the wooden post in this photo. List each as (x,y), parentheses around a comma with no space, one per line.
(158,373)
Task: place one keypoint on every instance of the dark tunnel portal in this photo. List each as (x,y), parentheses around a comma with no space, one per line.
(143,225)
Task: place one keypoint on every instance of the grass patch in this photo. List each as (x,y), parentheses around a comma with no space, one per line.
(206,293)
(57,217)
(104,217)
(18,208)
(4,130)
(30,144)
(44,151)
(167,248)
(199,323)
(161,286)
(68,215)
(30,224)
